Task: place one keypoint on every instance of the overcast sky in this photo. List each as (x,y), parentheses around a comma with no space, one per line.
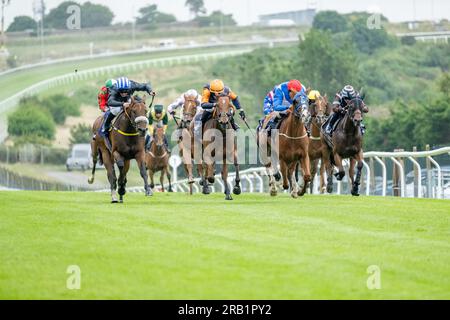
(247,11)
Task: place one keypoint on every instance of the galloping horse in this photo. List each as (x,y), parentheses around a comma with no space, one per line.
(346,142)
(186,143)
(127,142)
(319,111)
(157,159)
(293,149)
(220,122)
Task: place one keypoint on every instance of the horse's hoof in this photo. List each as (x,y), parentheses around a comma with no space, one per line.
(201,183)
(340,175)
(91,180)
(237,190)
(206,190)
(355,194)
(273,192)
(211,179)
(294,195)
(277,176)
(228,197)
(114,201)
(170,190)
(330,189)
(285,187)
(152,185)
(191,180)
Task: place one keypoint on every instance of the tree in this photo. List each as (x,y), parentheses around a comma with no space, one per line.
(81,133)
(151,16)
(216,19)
(369,40)
(29,121)
(95,15)
(325,64)
(331,21)
(22,23)
(92,15)
(196,7)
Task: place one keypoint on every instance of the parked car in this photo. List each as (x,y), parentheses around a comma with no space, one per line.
(79,157)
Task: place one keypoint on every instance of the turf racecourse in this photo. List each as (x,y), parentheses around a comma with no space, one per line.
(173,246)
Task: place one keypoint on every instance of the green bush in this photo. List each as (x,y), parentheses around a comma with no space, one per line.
(80,134)
(60,107)
(32,122)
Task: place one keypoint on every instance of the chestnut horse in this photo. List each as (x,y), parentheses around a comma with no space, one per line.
(346,142)
(219,126)
(157,159)
(319,111)
(292,149)
(186,144)
(127,142)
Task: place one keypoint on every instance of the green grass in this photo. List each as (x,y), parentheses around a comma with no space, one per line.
(173,246)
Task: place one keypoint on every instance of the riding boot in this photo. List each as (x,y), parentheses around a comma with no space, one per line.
(330,124)
(108,117)
(147,143)
(363,128)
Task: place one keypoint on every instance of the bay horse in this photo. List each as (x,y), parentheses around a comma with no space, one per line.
(157,159)
(218,126)
(186,144)
(319,111)
(293,150)
(127,138)
(346,142)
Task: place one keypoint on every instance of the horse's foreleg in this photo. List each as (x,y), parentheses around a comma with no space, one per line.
(351,171)
(341,172)
(322,178)
(355,186)
(313,175)
(284,172)
(111,172)
(306,171)
(161,180)
(169,177)
(151,175)
(237,180)
(225,180)
(290,174)
(328,167)
(140,159)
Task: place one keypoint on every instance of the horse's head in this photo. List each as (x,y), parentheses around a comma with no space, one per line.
(158,136)
(356,108)
(136,112)
(320,108)
(224,110)
(189,110)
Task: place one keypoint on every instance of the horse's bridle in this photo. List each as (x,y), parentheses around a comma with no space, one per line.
(134,122)
(352,107)
(185,123)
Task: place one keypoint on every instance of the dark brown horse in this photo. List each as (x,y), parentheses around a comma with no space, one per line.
(292,149)
(127,142)
(186,143)
(219,140)
(319,111)
(157,159)
(346,142)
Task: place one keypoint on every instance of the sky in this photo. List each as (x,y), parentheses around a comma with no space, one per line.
(246,12)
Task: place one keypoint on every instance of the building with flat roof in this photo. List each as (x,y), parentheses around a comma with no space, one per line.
(299,18)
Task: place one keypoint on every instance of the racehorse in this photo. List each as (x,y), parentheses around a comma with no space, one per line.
(157,159)
(186,144)
(319,111)
(293,149)
(346,142)
(127,142)
(221,123)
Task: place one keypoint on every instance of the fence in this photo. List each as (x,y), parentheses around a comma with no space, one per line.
(13,180)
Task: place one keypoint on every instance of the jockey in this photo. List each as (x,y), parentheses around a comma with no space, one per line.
(119,95)
(267,107)
(190,94)
(157,118)
(211,93)
(284,96)
(340,103)
(312,96)
(103,95)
